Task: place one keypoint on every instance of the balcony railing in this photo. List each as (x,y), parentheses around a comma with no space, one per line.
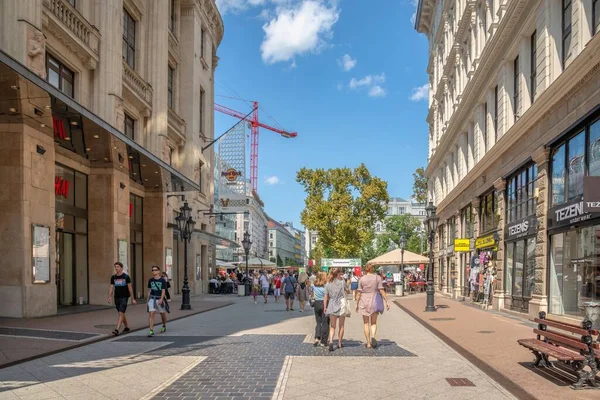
(137,85)
(64,16)
(178,125)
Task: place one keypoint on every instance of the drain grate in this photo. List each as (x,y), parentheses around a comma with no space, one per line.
(486,331)
(459,382)
(442,319)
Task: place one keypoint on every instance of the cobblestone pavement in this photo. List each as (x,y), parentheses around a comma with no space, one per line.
(248,351)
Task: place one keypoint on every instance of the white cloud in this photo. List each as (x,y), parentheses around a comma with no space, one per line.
(420,93)
(377,91)
(296,30)
(272,180)
(368,81)
(346,62)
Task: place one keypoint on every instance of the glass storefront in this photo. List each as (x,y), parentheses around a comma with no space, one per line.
(136,239)
(519,277)
(574,270)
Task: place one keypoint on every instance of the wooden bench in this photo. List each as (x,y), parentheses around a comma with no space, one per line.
(571,344)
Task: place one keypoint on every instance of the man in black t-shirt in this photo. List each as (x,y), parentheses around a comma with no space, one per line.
(120,286)
(157,287)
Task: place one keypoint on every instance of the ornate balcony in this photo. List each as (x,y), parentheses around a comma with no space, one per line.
(177,127)
(137,89)
(64,22)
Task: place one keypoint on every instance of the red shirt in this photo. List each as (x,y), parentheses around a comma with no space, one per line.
(277,283)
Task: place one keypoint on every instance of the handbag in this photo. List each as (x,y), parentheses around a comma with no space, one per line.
(345,309)
(378,300)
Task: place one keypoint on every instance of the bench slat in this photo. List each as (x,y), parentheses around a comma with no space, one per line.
(561,339)
(560,353)
(561,325)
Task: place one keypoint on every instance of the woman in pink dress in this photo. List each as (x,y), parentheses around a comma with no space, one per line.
(370,286)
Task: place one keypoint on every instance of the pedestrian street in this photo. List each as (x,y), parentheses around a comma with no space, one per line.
(254,351)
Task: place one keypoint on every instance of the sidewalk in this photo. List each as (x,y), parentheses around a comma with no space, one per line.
(26,338)
(489,340)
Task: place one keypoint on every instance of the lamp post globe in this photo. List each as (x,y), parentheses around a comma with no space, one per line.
(431,226)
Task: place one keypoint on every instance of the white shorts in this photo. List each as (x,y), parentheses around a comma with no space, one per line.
(159,308)
(277,292)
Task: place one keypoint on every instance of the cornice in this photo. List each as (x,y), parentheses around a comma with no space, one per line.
(585,66)
(492,52)
(213,16)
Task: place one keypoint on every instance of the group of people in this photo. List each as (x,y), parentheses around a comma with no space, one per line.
(158,295)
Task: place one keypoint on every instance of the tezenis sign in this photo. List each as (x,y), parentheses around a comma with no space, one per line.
(570,213)
(61,187)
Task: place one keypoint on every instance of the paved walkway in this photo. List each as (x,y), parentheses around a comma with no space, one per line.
(254,351)
(489,340)
(22,339)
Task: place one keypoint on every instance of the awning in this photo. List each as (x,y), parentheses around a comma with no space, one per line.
(394,257)
(26,98)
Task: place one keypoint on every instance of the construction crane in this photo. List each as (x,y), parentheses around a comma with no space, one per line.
(254,125)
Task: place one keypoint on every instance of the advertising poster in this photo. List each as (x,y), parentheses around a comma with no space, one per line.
(41,254)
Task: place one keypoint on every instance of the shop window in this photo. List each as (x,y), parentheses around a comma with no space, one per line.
(487,212)
(521,193)
(575,165)
(558,175)
(60,76)
(574,270)
(594,148)
(129,127)
(128,39)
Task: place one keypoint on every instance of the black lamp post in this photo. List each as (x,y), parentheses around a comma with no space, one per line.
(402,245)
(431,226)
(246,243)
(185,223)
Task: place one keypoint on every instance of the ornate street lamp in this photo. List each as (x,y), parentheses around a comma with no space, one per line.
(186,224)
(246,243)
(431,226)
(402,245)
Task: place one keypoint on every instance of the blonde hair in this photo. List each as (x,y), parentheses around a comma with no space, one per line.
(333,274)
(321,279)
(370,268)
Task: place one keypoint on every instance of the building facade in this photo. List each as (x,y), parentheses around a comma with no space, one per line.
(400,206)
(255,222)
(514,89)
(282,243)
(299,243)
(310,242)
(108,106)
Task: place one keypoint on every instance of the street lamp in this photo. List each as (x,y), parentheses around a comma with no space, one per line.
(246,243)
(431,225)
(185,223)
(402,245)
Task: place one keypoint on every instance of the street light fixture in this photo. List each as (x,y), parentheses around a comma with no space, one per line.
(246,243)
(402,245)
(431,226)
(186,224)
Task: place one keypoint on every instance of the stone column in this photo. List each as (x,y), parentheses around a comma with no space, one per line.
(155,219)
(457,261)
(498,300)
(475,211)
(539,300)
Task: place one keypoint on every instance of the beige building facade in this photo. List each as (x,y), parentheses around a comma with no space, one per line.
(105,107)
(513,129)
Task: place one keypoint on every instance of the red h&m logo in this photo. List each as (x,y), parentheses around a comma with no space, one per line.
(61,187)
(59,128)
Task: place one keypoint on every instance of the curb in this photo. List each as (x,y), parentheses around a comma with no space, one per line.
(100,339)
(490,371)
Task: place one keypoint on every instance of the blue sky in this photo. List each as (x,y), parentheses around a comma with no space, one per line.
(347,75)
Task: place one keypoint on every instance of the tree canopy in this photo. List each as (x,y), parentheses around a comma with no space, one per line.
(419,186)
(342,205)
(394,227)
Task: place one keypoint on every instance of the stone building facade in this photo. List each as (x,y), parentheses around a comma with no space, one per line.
(513,130)
(110,104)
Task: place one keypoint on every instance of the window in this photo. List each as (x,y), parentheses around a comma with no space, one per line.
(129,127)
(485,128)
(566,31)
(558,175)
(246,226)
(171,153)
(172,16)
(520,191)
(595,16)
(71,2)
(401,210)
(483,12)
(201,110)
(516,88)
(170,88)
(270,235)
(451,231)
(202,37)
(128,39)
(487,212)
(533,56)
(200,172)
(60,76)
(466,222)
(496,107)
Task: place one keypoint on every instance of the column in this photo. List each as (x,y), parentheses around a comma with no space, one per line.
(539,300)
(498,300)
(457,259)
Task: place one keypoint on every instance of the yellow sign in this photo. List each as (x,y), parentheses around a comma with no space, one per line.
(462,245)
(485,242)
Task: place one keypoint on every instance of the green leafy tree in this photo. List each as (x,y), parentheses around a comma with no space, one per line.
(342,205)
(419,186)
(273,260)
(378,246)
(407,224)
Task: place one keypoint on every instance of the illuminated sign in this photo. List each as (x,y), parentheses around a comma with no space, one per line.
(61,187)
(462,245)
(231,174)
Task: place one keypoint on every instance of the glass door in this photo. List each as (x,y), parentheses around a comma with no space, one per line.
(66,269)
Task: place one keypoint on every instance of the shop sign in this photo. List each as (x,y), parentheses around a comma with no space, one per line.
(485,241)
(231,174)
(591,194)
(568,214)
(58,126)
(520,228)
(61,187)
(341,262)
(462,245)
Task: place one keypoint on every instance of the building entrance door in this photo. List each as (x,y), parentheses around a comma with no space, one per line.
(65,280)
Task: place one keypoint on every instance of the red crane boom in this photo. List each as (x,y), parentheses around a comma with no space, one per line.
(254,125)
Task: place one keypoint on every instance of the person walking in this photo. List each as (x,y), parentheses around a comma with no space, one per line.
(157,288)
(120,287)
(335,305)
(255,285)
(166,278)
(317,293)
(289,287)
(302,290)
(264,284)
(277,285)
(369,302)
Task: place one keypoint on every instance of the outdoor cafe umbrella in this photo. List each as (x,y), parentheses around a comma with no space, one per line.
(258,262)
(394,257)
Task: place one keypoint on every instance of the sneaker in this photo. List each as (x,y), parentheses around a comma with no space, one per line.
(126,330)
(151,333)
(301,310)
(163,329)
(287,309)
